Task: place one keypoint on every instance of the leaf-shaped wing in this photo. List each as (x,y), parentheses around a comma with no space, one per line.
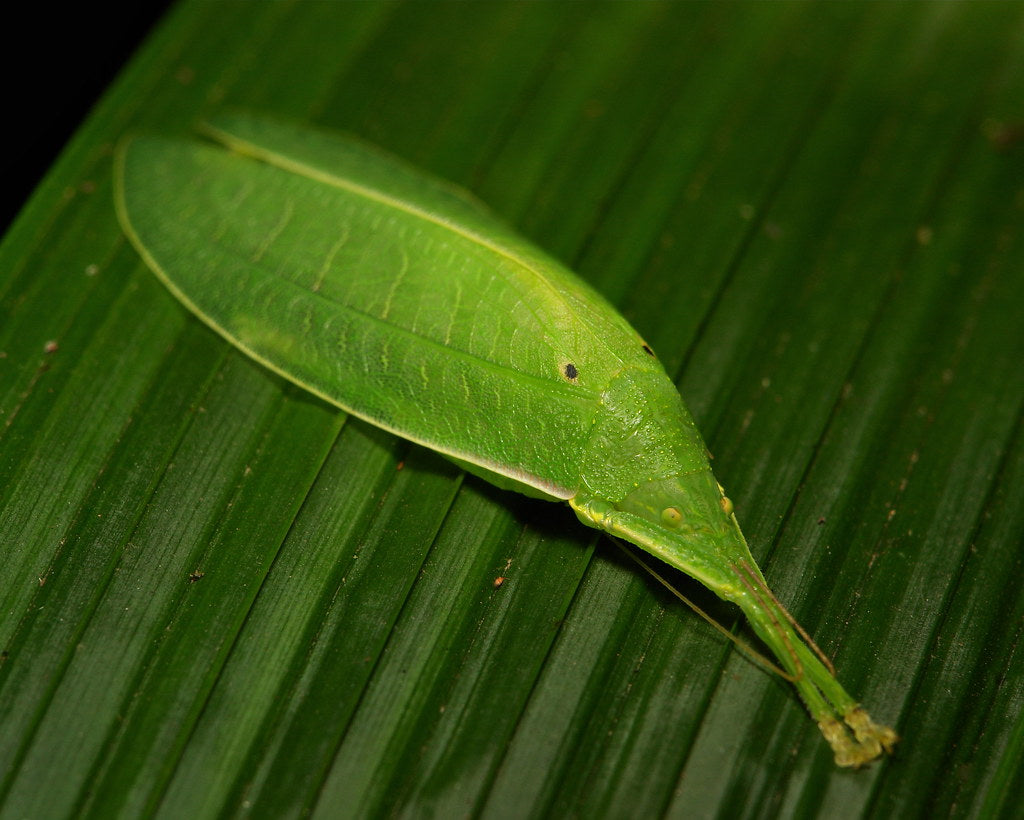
(379,289)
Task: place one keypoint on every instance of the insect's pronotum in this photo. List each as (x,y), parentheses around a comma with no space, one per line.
(404,302)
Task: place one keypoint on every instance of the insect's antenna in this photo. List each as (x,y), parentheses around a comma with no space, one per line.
(742,645)
(793,621)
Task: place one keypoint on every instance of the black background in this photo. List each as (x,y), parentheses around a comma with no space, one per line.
(56,63)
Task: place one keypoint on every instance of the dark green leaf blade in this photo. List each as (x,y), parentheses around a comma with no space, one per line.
(219,596)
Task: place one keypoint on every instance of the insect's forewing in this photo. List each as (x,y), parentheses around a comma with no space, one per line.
(380,290)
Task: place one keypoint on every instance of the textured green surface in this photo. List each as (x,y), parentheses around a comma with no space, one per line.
(372,286)
(812,212)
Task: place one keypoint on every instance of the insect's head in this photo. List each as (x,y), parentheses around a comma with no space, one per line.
(691,505)
(685,519)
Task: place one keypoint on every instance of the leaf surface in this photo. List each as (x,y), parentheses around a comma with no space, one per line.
(219,595)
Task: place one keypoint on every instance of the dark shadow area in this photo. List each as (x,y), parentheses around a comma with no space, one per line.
(722,611)
(56,61)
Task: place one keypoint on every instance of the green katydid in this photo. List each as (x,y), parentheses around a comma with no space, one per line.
(403,301)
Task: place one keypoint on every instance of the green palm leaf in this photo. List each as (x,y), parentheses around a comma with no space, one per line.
(219,596)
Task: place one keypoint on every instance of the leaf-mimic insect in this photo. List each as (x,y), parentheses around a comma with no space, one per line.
(401,300)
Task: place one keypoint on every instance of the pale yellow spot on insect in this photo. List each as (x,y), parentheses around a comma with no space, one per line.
(597,510)
(725,502)
(671,517)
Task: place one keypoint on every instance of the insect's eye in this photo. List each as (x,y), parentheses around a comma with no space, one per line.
(671,517)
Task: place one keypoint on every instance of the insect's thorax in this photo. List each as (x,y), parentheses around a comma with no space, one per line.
(642,434)
(647,479)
